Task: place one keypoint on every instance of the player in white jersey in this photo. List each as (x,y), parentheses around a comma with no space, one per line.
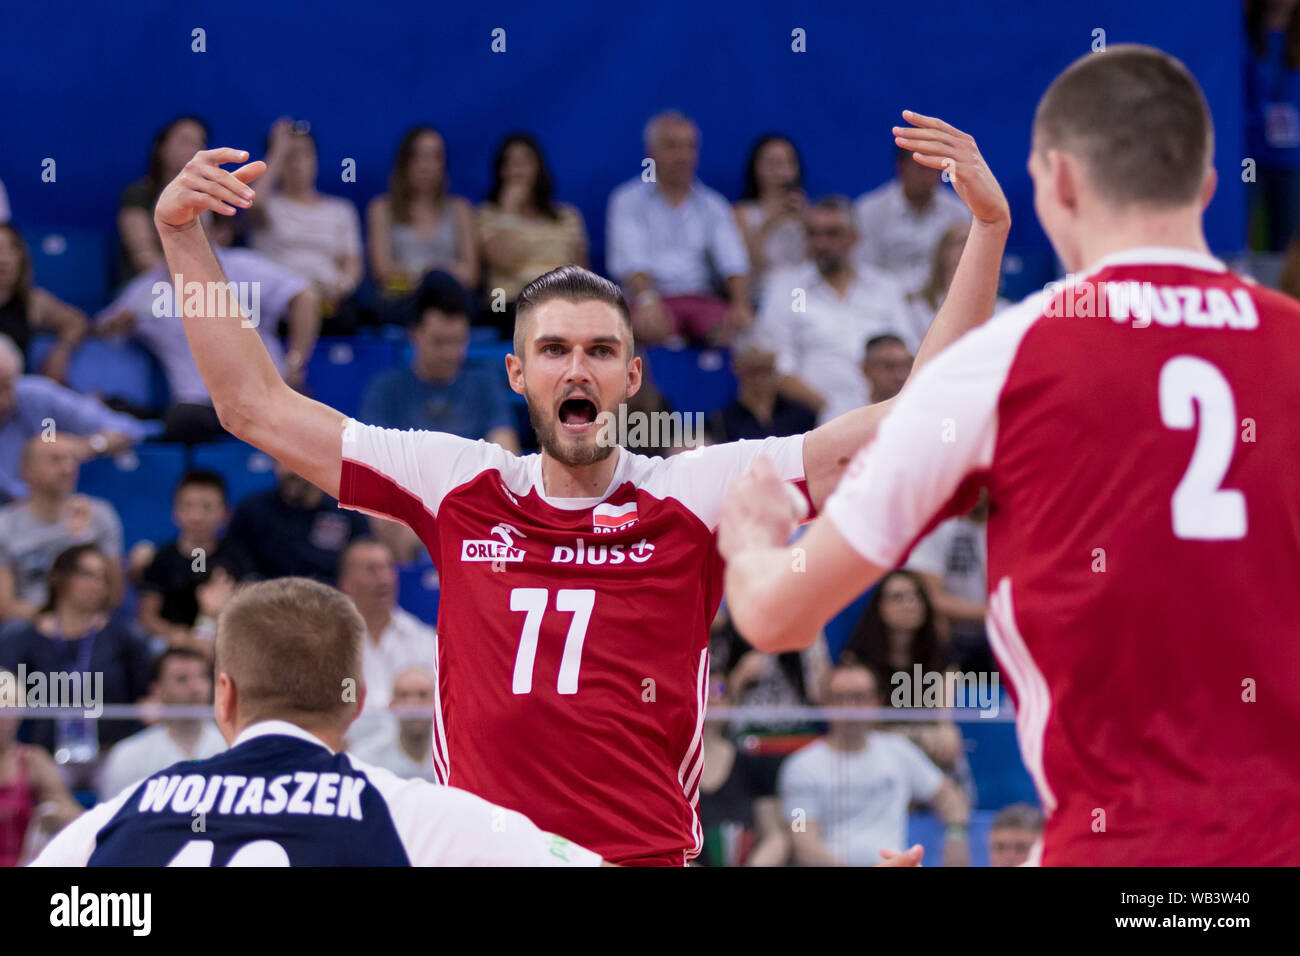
(289,685)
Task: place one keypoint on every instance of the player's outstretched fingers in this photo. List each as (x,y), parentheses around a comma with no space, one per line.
(909,857)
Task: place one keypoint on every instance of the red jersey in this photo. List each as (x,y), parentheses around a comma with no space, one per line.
(1139,434)
(572,633)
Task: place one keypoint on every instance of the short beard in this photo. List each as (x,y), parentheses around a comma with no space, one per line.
(549,439)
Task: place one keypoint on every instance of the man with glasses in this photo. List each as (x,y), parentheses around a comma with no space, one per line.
(819,315)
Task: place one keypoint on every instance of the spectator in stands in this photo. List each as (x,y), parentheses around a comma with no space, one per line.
(1273,114)
(294,529)
(439,391)
(32,795)
(76,631)
(952,563)
(886,363)
(181,678)
(189,580)
(771,216)
(1013,833)
(316,236)
(895,635)
(407,749)
(26,309)
(923,303)
(739,809)
(280,293)
(672,241)
(847,794)
(521,230)
(396,639)
(900,223)
(820,315)
(32,405)
(54,518)
(759,410)
(173,146)
(418,226)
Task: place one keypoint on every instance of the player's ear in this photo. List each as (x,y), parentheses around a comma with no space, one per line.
(224,706)
(634,376)
(515,373)
(1208,187)
(1063,179)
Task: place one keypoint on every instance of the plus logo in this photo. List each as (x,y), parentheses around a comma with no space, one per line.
(593,554)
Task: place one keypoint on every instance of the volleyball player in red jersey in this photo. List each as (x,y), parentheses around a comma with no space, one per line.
(578,584)
(1138,430)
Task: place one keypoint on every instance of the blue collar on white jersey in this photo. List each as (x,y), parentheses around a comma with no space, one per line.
(277,728)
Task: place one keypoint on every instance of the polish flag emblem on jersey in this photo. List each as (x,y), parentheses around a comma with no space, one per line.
(609,518)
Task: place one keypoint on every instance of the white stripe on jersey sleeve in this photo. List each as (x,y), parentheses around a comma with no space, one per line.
(446,826)
(427,464)
(941,429)
(699,478)
(73,845)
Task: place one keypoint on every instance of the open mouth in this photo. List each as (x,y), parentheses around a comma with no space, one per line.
(577,413)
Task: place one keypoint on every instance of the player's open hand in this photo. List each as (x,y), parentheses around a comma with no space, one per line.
(938,145)
(203,185)
(760,511)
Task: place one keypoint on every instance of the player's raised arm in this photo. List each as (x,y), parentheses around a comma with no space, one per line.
(251,400)
(970,299)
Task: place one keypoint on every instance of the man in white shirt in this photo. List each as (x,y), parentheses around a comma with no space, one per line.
(672,240)
(182,678)
(848,793)
(819,315)
(408,750)
(900,222)
(395,638)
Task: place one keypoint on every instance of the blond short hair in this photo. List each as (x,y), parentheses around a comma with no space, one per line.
(291,646)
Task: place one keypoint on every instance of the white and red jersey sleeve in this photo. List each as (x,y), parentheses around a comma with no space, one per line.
(932,450)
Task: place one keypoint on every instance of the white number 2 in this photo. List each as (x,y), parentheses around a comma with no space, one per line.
(533,601)
(1192,388)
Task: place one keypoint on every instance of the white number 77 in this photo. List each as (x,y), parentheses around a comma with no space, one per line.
(533,601)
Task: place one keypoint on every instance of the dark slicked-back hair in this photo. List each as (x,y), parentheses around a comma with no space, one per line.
(572,284)
(1137,119)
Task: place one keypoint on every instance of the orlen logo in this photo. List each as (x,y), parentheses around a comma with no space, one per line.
(583,553)
(489,550)
(606,519)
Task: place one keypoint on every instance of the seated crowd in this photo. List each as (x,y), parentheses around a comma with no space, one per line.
(821,302)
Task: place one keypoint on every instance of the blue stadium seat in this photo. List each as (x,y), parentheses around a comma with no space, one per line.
(417,590)
(340,369)
(139,485)
(693,380)
(246,470)
(994,754)
(109,369)
(840,628)
(71,263)
(1025,271)
(928,830)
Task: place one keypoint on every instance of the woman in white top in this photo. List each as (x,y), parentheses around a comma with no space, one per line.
(770,216)
(317,236)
